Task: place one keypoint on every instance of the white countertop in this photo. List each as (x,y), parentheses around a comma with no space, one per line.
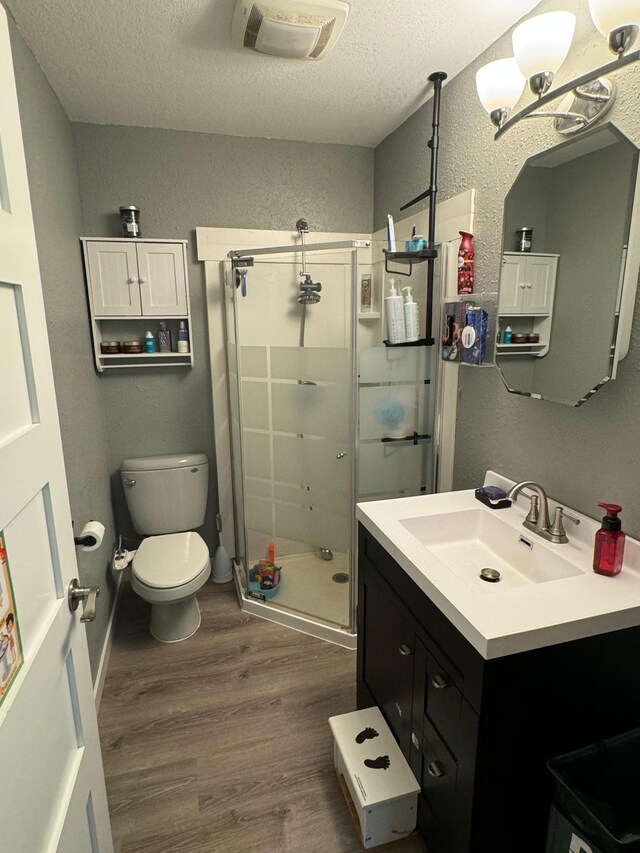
(498,621)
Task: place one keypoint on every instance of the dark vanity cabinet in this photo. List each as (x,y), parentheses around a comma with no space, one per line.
(478,733)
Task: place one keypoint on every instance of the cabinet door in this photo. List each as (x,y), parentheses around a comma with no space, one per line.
(113,279)
(512,282)
(539,285)
(388,660)
(163,284)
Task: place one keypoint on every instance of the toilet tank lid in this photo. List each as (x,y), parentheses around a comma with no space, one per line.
(162,463)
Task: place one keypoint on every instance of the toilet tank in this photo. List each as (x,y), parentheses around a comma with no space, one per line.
(166,494)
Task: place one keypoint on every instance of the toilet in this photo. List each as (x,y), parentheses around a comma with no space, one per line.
(167,498)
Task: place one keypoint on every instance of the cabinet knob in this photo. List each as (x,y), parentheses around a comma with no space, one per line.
(439,682)
(133,280)
(529,286)
(142,279)
(436,769)
(415,741)
(522,284)
(405,650)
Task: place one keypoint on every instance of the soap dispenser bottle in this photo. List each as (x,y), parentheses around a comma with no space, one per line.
(394,309)
(609,547)
(412,331)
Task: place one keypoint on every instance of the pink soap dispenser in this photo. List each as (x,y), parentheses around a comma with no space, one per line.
(609,547)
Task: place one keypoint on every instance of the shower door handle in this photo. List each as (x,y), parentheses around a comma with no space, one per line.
(340,455)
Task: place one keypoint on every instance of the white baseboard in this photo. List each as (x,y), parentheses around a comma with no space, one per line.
(106,646)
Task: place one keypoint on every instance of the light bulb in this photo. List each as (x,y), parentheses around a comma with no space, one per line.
(541,45)
(500,86)
(617,20)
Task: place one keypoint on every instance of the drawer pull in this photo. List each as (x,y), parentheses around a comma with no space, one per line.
(436,769)
(405,650)
(440,682)
(415,741)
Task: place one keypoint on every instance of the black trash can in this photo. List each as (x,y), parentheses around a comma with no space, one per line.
(596,793)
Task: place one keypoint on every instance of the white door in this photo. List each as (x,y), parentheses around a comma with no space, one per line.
(113,279)
(512,283)
(53,794)
(540,283)
(163,284)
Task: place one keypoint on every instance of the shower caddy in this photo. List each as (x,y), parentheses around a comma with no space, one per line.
(408,259)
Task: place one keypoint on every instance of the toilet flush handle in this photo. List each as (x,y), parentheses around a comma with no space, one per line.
(128,482)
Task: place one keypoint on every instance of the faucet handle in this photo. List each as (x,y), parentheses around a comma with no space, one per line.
(557,528)
(534,510)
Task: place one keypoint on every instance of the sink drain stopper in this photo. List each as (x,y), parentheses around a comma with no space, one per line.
(340,577)
(490,575)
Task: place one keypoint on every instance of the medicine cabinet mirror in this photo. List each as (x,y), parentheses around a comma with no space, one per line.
(568,282)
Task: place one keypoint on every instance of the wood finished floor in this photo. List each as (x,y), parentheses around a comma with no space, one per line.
(220,744)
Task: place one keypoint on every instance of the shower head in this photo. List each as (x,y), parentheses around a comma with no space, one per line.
(310,297)
(309,290)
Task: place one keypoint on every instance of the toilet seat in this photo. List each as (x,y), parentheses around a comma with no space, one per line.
(170,560)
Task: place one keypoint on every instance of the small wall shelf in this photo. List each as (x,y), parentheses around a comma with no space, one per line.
(370,315)
(133,285)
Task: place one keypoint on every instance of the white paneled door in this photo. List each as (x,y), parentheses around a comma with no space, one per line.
(53,794)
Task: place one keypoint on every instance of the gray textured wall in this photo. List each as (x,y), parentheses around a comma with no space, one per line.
(181,180)
(57,214)
(579,455)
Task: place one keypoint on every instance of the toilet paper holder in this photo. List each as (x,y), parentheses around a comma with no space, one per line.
(91,536)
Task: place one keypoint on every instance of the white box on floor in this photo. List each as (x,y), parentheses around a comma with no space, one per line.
(383,789)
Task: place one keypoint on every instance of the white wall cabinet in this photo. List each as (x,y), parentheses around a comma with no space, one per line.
(527,283)
(527,291)
(133,284)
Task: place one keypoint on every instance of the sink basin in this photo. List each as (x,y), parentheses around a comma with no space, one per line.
(468,541)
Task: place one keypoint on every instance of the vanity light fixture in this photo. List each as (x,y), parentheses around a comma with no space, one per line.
(540,46)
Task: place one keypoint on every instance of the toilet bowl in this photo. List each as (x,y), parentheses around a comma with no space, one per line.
(167,498)
(168,571)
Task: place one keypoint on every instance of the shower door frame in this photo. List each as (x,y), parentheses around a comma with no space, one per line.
(352,407)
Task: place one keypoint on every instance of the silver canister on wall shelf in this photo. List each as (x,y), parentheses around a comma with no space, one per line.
(130,221)
(524,239)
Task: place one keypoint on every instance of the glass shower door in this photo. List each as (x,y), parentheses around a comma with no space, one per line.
(295,397)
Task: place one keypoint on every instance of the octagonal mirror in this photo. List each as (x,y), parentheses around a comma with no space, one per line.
(569,268)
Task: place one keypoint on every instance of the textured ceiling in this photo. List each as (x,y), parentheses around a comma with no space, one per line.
(170,64)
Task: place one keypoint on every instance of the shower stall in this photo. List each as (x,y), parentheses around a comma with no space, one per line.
(321,415)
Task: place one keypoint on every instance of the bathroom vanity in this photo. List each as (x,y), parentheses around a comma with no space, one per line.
(481,683)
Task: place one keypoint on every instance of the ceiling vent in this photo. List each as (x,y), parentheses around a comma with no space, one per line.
(290,29)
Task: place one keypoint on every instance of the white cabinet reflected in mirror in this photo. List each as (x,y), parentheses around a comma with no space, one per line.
(566,304)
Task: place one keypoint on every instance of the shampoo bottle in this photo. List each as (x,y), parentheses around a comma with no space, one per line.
(149,342)
(412,331)
(394,309)
(609,547)
(183,337)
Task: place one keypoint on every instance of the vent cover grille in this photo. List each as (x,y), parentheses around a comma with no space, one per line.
(323,39)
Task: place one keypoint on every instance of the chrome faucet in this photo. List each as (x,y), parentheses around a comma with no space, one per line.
(537,518)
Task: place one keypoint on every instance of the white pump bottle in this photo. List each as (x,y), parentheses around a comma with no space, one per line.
(393,304)
(412,329)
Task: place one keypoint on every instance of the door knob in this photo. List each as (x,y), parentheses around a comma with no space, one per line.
(87,594)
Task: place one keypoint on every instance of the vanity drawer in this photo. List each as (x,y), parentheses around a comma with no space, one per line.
(437,700)
(439,779)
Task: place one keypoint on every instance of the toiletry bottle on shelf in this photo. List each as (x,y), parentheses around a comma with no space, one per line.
(149,342)
(391,233)
(394,309)
(411,329)
(183,337)
(609,547)
(506,338)
(164,338)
